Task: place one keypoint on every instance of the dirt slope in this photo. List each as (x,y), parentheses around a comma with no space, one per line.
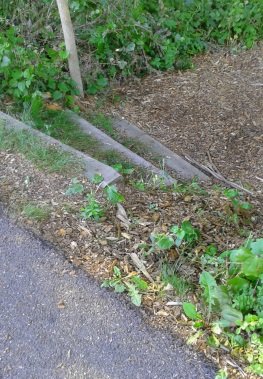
(217,107)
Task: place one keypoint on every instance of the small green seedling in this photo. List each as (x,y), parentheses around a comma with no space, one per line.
(153,207)
(112,194)
(162,241)
(133,285)
(139,185)
(192,188)
(97,179)
(186,233)
(75,188)
(221,374)
(93,209)
(35,212)
(124,170)
(239,207)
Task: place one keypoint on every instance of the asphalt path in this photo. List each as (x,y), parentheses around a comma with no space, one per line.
(56,322)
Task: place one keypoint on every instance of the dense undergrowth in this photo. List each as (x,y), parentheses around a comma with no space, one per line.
(116,39)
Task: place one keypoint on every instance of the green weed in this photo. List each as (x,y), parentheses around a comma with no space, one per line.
(103,122)
(180,285)
(27,73)
(75,188)
(238,210)
(112,194)
(36,212)
(123,38)
(133,285)
(93,209)
(45,157)
(192,188)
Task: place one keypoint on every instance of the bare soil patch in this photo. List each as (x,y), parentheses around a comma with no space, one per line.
(216,107)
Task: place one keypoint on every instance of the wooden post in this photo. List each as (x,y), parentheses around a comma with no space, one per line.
(70,43)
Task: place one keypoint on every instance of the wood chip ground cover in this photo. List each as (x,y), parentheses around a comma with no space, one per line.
(99,246)
(217,107)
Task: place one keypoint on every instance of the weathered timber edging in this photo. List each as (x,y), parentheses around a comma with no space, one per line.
(91,165)
(109,143)
(176,163)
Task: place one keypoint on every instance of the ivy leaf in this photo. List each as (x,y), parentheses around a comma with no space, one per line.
(122,64)
(237,283)
(130,47)
(5,61)
(74,188)
(63,54)
(102,82)
(119,288)
(57,95)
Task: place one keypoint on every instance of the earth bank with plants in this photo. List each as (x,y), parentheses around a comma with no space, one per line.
(192,256)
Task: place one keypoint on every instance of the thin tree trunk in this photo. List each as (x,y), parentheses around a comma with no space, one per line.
(70,43)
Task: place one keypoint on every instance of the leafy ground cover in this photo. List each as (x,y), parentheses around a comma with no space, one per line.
(116,39)
(191,256)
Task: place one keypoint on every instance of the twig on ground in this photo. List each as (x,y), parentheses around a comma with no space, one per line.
(218,176)
(232,363)
(259,178)
(139,264)
(212,165)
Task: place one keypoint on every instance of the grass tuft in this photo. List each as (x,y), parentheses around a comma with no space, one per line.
(36,213)
(44,157)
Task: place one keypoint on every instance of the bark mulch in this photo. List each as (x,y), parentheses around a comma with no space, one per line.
(217,107)
(97,247)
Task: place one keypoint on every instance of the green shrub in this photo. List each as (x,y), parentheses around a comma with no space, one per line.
(27,72)
(133,37)
(117,38)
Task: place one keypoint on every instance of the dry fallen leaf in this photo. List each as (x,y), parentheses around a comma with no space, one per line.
(172,303)
(126,235)
(61,304)
(85,231)
(156,217)
(54,107)
(103,242)
(162,313)
(122,216)
(61,232)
